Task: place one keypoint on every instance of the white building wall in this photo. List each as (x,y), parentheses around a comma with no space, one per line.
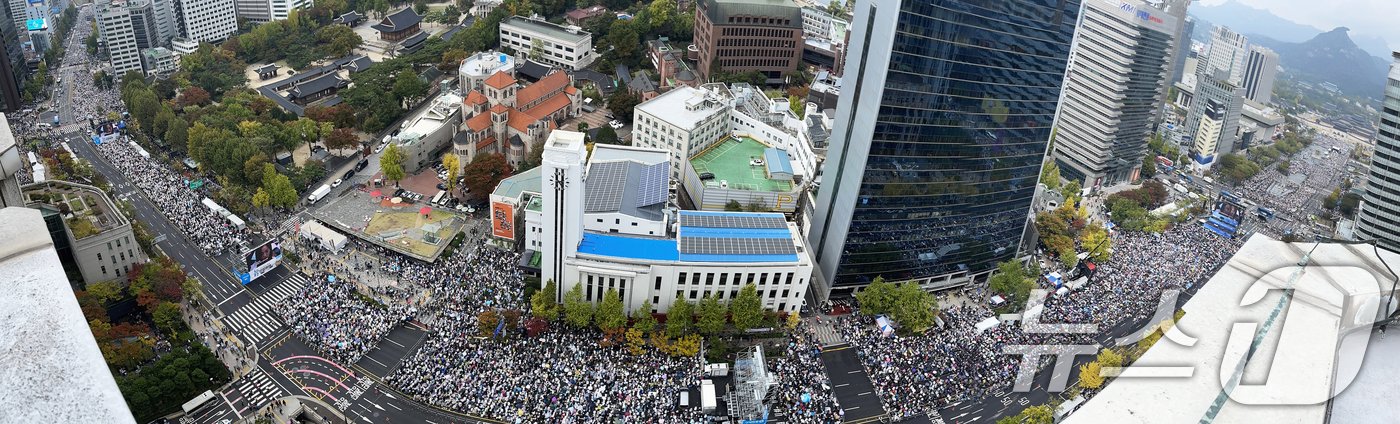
(614,222)
(534,230)
(570,53)
(562,195)
(782,286)
(653,131)
(119,37)
(209,21)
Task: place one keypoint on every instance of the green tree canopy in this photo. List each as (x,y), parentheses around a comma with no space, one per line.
(610,315)
(878,298)
(391,162)
(914,308)
(747,308)
(577,312)
(542,303)
(1011,280)
(642,318)
(713,315)
(679,317)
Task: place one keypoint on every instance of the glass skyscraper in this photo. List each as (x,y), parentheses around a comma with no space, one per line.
(939,138)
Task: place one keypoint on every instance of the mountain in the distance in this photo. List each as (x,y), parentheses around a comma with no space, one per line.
(1248,20)
(1330,57)
(1254,22)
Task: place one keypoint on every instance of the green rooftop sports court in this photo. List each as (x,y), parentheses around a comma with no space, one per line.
(729,160)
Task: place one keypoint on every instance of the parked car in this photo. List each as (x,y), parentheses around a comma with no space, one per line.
(380,148)
(336,183)
(441,186)
(348,174)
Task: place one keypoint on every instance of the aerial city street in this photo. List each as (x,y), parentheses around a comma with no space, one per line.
(695,211)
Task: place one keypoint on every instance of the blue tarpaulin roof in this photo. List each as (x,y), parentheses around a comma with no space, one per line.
(656,249)
(777,161)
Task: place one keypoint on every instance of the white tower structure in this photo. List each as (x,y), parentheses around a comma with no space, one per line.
(562,192)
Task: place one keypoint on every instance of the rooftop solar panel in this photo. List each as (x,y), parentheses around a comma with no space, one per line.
(603,192)
(653,184)
(737,221)
(736,246)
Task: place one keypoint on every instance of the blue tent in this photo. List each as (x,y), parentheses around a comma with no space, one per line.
(97,140)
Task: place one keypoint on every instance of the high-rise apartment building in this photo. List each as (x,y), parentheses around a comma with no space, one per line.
(938,139)
(1214,92)
(1115,85)
(1259,71)
(13,69)
(1379,215)
(1183,49)
(206,21)
(166,26)
(749,35)
(118,33)
(260,11)
(143,24)
(1227,51)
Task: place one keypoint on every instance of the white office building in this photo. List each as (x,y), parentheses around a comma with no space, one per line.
(1117,78)
(209,21)
(114,25)
(598,215)
(568,47)
(260,11)
(1227,51)
(681,121)
(1379,216)
(1260,69)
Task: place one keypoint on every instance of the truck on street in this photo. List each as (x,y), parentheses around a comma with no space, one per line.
(320,193)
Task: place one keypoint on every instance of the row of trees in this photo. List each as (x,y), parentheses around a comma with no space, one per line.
(1130,209)
(168,375)
(910,305)
(300,39)
(711,316)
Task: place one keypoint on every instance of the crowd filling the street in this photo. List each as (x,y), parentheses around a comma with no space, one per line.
(356,296)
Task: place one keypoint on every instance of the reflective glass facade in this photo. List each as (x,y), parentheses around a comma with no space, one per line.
(952,140)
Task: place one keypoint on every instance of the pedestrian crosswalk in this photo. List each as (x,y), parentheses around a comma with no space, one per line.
(256,320)
(291,224)
(252,391)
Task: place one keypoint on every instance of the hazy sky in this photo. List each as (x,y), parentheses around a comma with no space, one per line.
(1364,17)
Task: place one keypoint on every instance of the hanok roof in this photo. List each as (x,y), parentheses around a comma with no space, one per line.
(533,70)
(399,21)
(349,18)
(317,85)
(447,35)
(500,80)
(549,84)
(359,64)
(412,42)
(267,69)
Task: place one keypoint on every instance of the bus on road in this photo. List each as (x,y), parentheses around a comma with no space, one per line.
(198,401)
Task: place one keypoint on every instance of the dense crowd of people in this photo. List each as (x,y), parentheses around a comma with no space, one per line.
(181,205)
(327,315)
(1323,167)
(957,362)
(802,392)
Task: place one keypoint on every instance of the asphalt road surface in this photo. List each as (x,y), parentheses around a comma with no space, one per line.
(851,385)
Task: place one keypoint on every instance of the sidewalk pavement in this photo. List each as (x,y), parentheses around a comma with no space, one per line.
(239,357)
(290,408)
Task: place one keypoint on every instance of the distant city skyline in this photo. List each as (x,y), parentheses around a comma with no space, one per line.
(1373,18)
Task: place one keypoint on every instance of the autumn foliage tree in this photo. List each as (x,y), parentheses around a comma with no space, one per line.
(485,172)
